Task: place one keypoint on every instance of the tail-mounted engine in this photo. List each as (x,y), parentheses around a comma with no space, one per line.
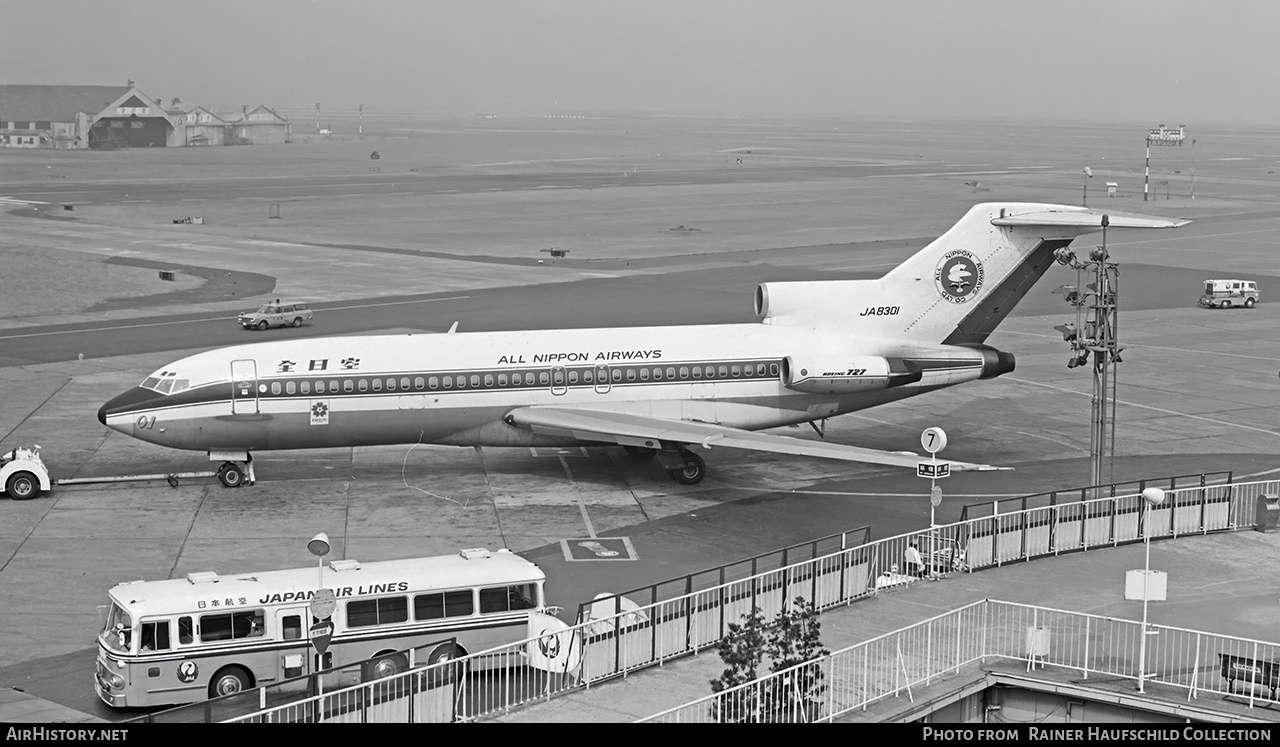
(846,374)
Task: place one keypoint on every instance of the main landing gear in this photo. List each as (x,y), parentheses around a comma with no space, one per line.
(684,466)
(234,474)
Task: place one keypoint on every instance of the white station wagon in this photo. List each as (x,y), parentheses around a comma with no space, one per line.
(276,315)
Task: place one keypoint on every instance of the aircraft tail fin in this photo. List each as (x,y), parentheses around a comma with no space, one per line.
(957,289)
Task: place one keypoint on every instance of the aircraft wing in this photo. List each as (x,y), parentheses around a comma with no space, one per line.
(640,430)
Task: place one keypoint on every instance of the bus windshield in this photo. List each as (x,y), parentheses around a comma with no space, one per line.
(117,634)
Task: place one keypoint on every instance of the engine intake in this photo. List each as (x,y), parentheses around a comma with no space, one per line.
(846,375)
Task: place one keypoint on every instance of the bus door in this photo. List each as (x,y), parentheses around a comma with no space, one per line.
(293,624)
(602,378)
(244,387)
(559,380)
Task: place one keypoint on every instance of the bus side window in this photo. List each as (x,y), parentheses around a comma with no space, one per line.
(248,624)
(291,626)
(493,599)
(380,611)
(428,606)
(459,603)
(523,597)
(215,627)
(236,625)
(185,633)
(155,636)
(506,598)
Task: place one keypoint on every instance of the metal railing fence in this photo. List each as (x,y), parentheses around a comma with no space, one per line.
(612,604)
(1110,490)
(289,690)
(643,635)
(889,665)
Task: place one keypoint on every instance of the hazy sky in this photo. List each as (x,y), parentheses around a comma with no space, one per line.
(1191,61)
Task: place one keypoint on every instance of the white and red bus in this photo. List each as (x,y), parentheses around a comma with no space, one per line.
(183,640)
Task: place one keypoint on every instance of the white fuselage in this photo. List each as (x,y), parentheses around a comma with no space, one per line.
(396,389)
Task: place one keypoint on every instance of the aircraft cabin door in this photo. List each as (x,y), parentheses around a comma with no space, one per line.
(602,378)
(244,387)
(559,380)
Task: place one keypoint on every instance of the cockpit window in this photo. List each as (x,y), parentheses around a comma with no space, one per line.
(166,382)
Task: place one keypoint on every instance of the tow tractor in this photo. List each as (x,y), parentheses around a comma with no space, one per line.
(23,474)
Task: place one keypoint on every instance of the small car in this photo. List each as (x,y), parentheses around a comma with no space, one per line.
(1223,294)
(276,314)
(23,474)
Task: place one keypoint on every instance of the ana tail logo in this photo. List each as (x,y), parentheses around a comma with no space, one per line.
(959,276)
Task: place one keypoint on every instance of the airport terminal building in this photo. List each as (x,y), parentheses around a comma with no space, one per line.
(115,117)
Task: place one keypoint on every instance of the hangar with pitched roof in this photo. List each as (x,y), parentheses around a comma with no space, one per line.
(113,117)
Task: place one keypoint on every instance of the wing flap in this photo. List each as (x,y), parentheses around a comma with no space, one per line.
(639,430)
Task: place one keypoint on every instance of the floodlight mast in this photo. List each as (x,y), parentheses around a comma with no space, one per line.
(1095,336)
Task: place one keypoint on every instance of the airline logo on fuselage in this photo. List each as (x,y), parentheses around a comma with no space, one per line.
(602,356)
(959,276)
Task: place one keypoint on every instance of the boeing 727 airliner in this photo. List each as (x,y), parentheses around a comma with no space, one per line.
(822,348)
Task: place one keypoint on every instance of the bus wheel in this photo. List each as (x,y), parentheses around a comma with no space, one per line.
(1225,305)
(1248,303)
(228,681)
(445,652)
(445,674)
(386,665)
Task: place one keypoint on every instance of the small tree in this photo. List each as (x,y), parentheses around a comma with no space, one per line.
(742,651)
(792,638)
(795,638)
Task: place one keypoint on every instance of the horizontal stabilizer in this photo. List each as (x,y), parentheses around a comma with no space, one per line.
(639,430)
(1086,218)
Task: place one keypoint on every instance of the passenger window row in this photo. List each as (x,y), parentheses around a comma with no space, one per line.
(460,603)
(557,376)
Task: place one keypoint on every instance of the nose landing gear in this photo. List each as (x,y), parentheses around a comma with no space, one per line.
(233,474)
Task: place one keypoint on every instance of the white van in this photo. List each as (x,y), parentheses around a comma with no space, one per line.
(1224,294)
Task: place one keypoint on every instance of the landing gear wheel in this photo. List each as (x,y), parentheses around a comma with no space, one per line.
(1248,303)
(263,324)
(230,475)
(692,472)
(640,452)
(297,322)
(22,486)
(228,681)
(1224,305)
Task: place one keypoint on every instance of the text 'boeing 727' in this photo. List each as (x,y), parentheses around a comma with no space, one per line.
(822,348)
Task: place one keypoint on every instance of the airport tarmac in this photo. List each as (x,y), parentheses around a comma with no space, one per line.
(1198,390)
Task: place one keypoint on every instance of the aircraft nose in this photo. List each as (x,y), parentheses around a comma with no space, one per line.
(125,402)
